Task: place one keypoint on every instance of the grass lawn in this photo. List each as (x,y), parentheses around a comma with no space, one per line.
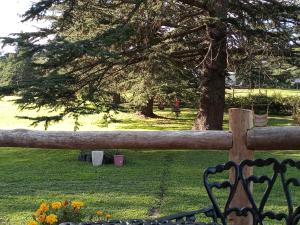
(152,182)
(157,181)
(9,111)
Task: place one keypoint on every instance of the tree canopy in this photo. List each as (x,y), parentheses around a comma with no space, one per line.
(92,45)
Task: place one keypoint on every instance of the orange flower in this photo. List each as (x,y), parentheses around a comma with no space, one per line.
(99,213)
(41,218)
(39,212)
(33,222)
(108,216)
(51,219)
(44,207)
(77,205)
(56,205)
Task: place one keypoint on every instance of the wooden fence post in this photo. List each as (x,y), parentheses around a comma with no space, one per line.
(240,120)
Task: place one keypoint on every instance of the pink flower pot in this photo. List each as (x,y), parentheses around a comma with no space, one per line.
(119,160)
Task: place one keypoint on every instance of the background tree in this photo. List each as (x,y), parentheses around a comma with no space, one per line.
(91,42)
(158,81)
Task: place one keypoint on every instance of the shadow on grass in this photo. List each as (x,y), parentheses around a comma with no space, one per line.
(159,124)
(166,120)
(29,177)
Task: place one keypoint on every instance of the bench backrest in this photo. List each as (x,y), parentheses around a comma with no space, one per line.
(256,206)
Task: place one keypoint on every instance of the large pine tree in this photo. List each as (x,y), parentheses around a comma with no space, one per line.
(92,42)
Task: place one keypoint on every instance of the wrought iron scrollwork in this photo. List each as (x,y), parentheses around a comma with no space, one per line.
(139,222)
(256,208)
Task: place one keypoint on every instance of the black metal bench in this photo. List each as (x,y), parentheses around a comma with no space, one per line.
(220,215)
(256,208)
(140,222)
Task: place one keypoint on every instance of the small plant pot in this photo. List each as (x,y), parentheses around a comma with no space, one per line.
(119,160)
(97,158)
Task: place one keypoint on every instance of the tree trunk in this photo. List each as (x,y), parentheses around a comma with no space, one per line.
(116,98)
(212,97)
(147,110)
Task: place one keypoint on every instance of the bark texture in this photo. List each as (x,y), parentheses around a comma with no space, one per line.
(147,110)
(211,108)
(150,140)
(117,99)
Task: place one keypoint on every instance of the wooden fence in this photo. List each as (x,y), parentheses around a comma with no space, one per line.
(240,141)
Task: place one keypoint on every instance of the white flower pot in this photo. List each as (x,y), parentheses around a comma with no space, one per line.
(97,158)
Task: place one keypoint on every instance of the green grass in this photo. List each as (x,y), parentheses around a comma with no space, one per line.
(132,121)
(9,120)
(164,182)
(30,176)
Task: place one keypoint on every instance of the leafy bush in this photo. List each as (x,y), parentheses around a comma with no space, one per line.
(278,105)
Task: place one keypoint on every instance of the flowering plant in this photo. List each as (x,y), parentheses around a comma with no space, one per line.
(101,216)
(58,212)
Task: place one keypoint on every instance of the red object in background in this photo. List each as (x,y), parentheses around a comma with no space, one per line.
(177,103)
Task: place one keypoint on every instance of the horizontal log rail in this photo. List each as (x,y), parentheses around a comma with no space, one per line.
(274,138)
(267,138)
(116,139)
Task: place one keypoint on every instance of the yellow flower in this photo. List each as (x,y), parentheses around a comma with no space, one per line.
(77,205)
(41,218)
(108,216)
(51,219)
(39,212)
(33,222)
(44,207)
(56,205)
(99,213)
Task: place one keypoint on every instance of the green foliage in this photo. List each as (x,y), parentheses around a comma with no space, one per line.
(160,85)
(276,103)
(159,48)
(13,71)
(7,69)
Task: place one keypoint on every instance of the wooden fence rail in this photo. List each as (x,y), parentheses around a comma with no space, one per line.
(116,139)
(274,138)
(268,138)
